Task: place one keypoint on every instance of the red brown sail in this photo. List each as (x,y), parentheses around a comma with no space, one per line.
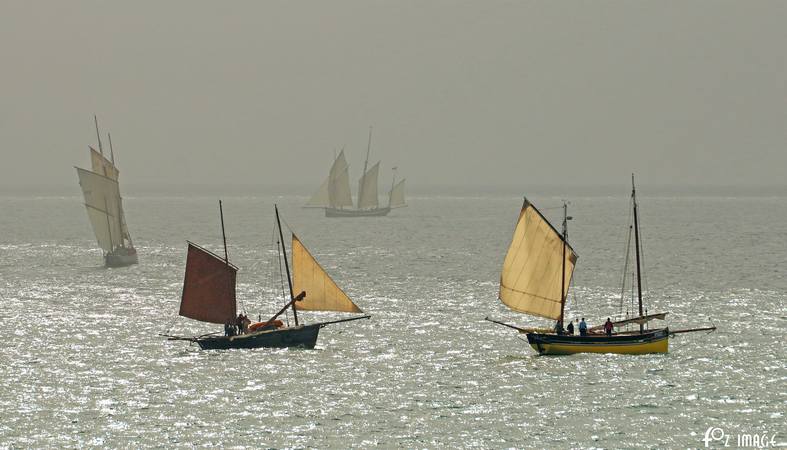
(208,287)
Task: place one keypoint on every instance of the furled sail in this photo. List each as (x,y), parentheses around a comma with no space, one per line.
(102,165)
(397,195)
(531,280)
(102,200)
(641,320)
(322,293)
(367,188)
(339,183)
(208,287)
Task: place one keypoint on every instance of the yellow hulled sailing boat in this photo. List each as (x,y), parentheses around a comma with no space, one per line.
(105,206)
(536,273)
(209,296)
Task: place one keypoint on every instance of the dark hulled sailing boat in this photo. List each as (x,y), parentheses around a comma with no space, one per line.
(209,296)
(105,206)
(536,274)
(335,197)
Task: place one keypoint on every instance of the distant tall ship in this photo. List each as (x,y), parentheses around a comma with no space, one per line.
(105,206)
(335,197)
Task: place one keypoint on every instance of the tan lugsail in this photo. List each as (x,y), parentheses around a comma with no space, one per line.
(531,281)
(102,200)
(397,195)
(208,287)
(367,188)
(339,183)
(102,165)
(322,293)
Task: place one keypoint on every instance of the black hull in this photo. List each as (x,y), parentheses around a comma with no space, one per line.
(121,257)
(376,212)
(304,336)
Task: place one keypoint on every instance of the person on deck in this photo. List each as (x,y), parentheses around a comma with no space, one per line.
(558,328)
(570,328)
(583,328)
(239,323)
(608,327)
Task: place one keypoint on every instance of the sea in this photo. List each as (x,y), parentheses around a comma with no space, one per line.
(83,363)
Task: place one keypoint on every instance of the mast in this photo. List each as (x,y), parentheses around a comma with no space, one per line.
(365,166)
(636,246)
(286,265)
(111,150)
(98,135)
(223,235)
(393,183)
(109,226)
(566,218)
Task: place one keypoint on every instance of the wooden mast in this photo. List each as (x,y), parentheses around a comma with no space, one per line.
(98,135)
(223,235)
(393,183)
(111,150)
(563,274)
(365,165)
(109,226)
(286,266)
(636,246)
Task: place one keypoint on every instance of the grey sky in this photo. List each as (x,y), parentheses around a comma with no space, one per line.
(481,92)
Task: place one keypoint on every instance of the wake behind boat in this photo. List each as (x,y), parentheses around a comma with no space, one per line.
(104,205)
(536,274)
(209,296)
(335,197)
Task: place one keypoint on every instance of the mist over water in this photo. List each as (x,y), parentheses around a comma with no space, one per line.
(83,364)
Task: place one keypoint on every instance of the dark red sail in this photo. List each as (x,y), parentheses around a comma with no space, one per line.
(208,287)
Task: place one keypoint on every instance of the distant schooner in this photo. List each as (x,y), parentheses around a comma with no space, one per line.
(335,197)
(105,206)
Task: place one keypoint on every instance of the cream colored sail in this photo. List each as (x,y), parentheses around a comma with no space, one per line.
(102,165)
(367,188)
(102,200)
(531,280)
(397,195)
(320,199)
(322,293)
(339,183)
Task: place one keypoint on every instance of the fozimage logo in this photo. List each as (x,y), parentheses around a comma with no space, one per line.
(717,437)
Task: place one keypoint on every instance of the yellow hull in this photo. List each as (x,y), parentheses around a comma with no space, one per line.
(650,342)
(661,346)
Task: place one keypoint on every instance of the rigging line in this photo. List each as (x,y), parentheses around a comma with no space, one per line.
(281,276)
(171,324)
(625,270)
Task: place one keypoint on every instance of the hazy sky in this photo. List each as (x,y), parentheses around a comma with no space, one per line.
(479,92)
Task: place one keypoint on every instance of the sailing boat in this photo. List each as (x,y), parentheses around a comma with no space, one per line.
(334,194)
(536,273)
(105,206)
(209,296)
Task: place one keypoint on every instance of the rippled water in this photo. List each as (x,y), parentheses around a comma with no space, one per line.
(82,363)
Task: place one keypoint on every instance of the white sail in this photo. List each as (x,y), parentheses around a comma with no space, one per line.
(322,293)
(397,196)
(321,198)
(532,279)
(367,188)
(102,165)
(339,183)
(102,200)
